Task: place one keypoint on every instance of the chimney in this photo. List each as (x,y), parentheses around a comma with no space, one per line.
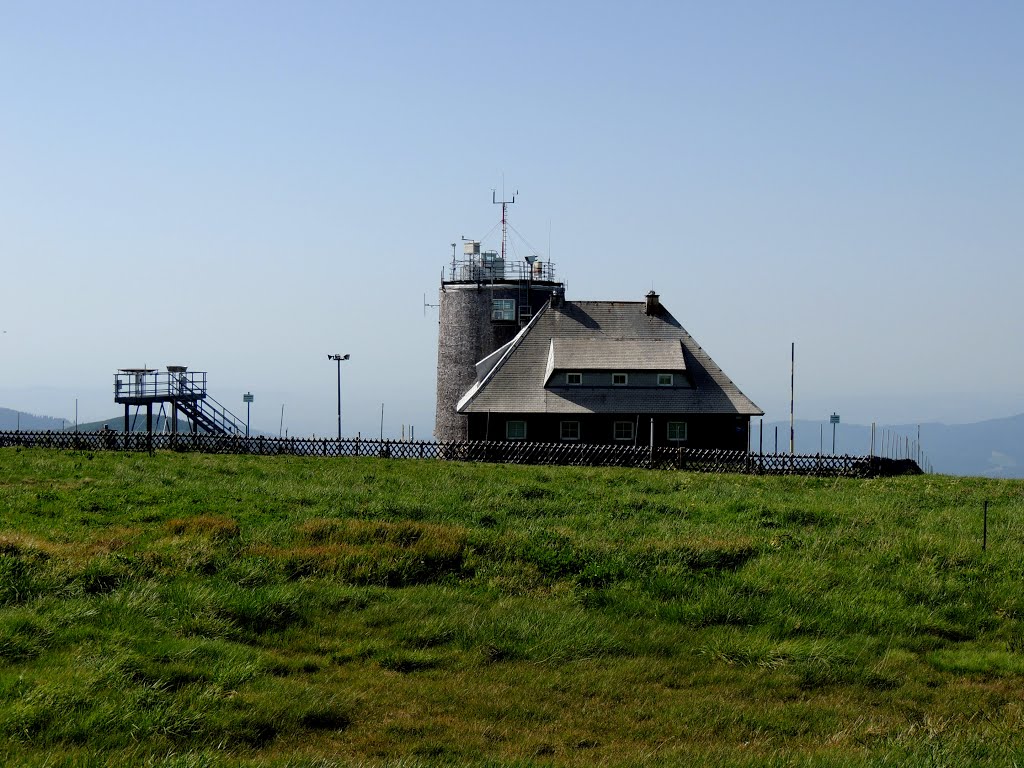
(653,305)
(557,296)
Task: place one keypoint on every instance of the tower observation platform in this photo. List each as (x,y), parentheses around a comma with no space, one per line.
(478,266)
(486,299)
(184,391)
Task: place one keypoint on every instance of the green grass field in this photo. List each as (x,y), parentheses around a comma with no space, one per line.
(194,610)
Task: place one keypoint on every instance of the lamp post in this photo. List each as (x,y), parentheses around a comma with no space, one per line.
(338,358)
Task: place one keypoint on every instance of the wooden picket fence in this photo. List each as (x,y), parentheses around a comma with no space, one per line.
(566,454)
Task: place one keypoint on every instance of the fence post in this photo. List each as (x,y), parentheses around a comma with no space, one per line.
(984,527)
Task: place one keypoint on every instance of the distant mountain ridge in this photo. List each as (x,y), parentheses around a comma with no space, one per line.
(11,420)
(991,448)
(30,422)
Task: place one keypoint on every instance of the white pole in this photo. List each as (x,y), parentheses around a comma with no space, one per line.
(652,440)
(792,371)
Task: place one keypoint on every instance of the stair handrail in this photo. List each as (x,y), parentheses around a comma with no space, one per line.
(228,422)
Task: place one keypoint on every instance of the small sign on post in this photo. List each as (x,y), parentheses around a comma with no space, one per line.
(833,420)
(247,399)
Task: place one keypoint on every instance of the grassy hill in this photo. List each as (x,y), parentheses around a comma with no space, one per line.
(193,610)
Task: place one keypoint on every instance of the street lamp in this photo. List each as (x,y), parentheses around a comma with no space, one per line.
(338,359)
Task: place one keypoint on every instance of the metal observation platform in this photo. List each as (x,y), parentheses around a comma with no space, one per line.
(184,391)
(477,266)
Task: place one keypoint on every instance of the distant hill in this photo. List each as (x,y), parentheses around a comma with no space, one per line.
(11,420)
(993,448)
(29,422)
(136,424)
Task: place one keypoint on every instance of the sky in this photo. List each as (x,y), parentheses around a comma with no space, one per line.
(246,187)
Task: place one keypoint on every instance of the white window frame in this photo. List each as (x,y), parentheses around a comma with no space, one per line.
(669,379)
(677,424)
(570,382)
(562,429)
(503,309)
(631,427)
(623,383)
(508,429)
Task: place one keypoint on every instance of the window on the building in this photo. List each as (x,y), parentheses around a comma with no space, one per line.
(574,378)
(676,431)
(515,430)
(664,379)
(623,430)
(619,379)
(503,309)
(570,430)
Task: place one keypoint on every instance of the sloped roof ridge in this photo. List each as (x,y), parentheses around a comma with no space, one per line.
(510,349)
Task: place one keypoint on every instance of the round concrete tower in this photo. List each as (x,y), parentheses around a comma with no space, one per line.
(484,302)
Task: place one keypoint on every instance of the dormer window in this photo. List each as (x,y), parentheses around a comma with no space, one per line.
(619,379)
(574,379)
(664,379)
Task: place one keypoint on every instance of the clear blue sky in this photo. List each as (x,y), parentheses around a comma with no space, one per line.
(245,187)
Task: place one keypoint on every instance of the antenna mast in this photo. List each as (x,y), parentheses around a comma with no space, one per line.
(504,216)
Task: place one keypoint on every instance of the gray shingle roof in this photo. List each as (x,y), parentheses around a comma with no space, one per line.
(606,354)
(630,339)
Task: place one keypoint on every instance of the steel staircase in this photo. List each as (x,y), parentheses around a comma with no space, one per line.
(211,417)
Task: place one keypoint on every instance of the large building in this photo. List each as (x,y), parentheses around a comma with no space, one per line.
(517,361)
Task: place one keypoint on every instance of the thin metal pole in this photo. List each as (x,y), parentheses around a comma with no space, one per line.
(339,400)
(382,421)
(652,441)
(833,438)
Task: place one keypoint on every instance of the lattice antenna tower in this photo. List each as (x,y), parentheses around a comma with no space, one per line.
(504,216)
